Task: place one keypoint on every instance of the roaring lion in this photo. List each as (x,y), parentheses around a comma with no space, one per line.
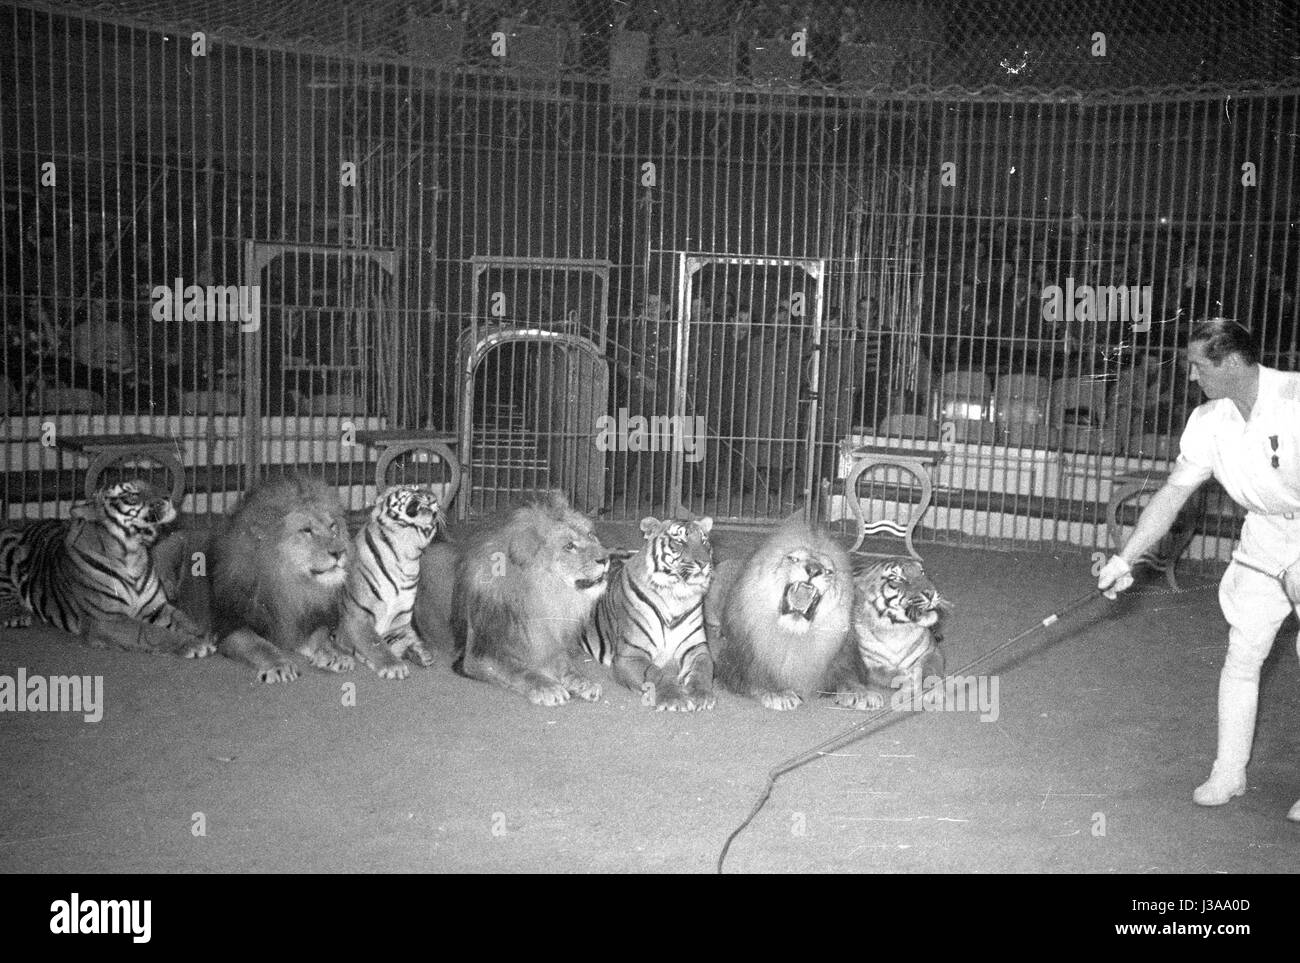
(779,624)
(520,594)
(277,574)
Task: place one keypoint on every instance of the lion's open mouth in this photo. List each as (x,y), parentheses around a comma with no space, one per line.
(583,584)
(801,599)
(329,574)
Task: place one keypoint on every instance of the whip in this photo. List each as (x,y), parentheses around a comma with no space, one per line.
(846,737)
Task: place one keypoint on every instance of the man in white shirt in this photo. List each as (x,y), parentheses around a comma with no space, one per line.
(1246,435)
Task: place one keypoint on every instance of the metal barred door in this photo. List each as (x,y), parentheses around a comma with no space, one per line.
(745,404)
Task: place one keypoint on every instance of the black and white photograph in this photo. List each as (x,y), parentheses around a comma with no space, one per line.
(648,437)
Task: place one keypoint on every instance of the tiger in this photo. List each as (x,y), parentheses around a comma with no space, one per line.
(375,623)
(649,625)
(896,610)
(92,575)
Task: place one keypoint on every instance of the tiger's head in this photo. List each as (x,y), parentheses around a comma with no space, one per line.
(133,509)
(677,554)
(898,592)
(408,509)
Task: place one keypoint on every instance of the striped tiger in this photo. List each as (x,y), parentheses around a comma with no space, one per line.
(896,610)
(379,595)
(93,575)
(649,625)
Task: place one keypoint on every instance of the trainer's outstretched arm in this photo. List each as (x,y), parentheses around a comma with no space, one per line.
(1156,520)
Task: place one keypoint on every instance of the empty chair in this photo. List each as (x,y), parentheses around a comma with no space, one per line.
(1079,415)
(1022,387)
(908,426)
(964,404)
(1020,410)
(1080,401)
(67,401)
(964,395)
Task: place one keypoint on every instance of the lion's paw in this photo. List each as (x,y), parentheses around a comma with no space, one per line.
(582,687)
(863,699)
(553,694)
(281,672)
(22,621)
(337,662)
(199,648)
(781,701)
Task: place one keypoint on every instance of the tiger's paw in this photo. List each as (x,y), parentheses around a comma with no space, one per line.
(548,694)
(670,698)
(397,670)
(699,698)
(781,701)
(418,654)
(582,687)
(280,672)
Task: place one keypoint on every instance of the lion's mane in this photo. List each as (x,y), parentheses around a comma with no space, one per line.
(755,650)
(520,589)
(261,569)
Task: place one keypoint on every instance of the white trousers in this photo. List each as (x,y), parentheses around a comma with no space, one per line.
(1255,605)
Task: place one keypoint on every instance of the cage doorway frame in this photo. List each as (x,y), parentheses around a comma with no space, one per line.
(477,349)
(259,255)
(688,265)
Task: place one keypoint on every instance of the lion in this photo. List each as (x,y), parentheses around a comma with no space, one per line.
(779,624)
(520,595)
(277,574)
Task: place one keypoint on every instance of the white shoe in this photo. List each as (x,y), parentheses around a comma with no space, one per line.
(1220,788)
(1294,814)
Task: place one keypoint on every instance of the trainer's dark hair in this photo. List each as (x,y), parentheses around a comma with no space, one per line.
(1223,337)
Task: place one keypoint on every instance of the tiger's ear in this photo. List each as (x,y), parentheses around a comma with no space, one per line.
(705,523)
(90,510)
(649,524)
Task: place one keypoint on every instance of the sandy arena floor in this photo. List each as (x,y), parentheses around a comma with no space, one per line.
(1106,722)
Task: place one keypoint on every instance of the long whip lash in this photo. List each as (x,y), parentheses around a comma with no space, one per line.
(842,739)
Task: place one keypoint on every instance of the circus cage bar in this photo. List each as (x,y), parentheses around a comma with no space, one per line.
(663,257)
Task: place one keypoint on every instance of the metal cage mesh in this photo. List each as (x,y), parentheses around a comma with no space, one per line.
(626,219)
(968,44)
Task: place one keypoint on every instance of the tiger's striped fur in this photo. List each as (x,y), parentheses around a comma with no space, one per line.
(93,576)
(895,613)
(380,590)
(650,624)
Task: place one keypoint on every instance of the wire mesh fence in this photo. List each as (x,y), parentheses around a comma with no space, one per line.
(662,273)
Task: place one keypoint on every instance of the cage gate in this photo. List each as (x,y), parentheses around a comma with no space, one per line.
(747,325)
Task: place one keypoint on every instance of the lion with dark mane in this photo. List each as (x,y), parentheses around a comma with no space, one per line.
(516,598)
(277,573)
(780,624)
